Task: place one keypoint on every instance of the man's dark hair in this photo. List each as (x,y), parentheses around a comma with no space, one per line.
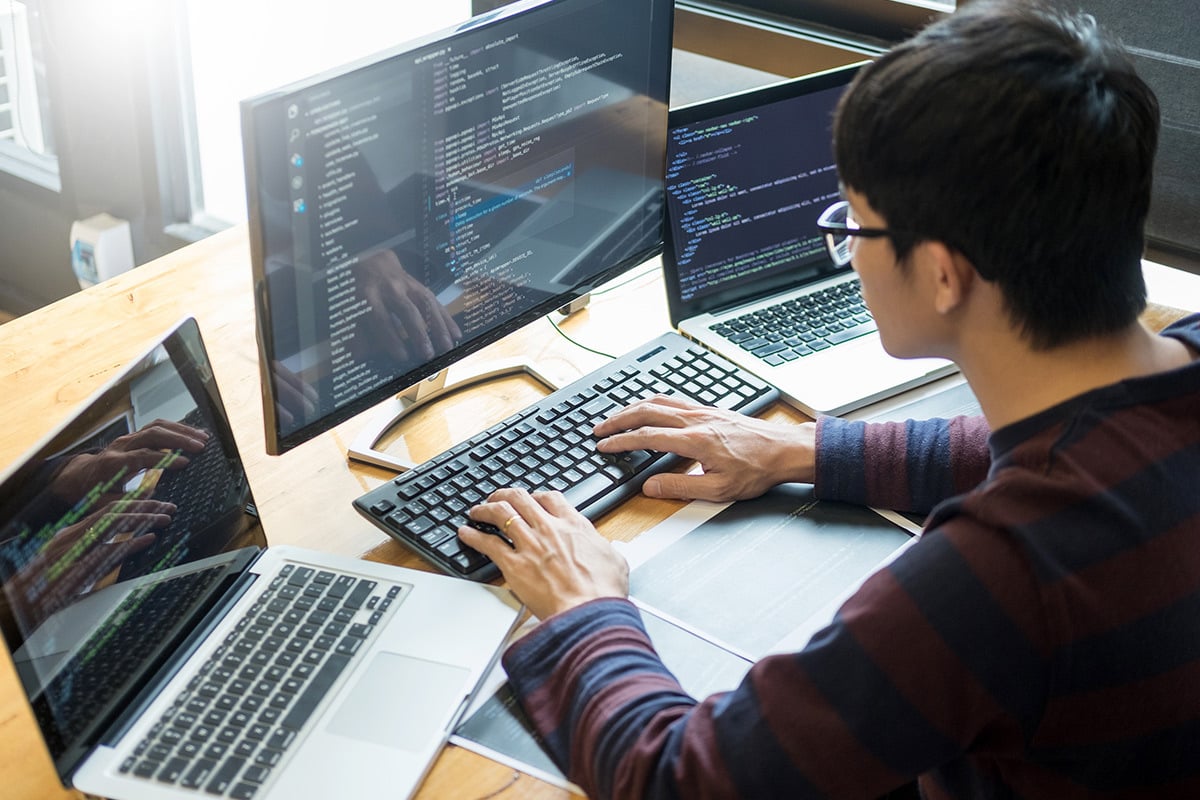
(1022,137)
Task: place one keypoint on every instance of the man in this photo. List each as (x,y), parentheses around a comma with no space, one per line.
(1042,639)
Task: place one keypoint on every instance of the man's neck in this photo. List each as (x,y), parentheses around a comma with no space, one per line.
(1013,381)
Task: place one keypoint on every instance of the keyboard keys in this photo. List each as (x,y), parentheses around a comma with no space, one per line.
(550,445)
(223,779)
(802,326)
(198,774)
(228,731)
(322,680)
(852,332)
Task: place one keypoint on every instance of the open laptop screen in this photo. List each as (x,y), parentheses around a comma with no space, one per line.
(747,177)
(114,534)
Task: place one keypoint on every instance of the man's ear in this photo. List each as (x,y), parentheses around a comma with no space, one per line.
(949,273)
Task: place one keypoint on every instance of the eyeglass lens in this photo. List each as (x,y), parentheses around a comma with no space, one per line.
(838,243)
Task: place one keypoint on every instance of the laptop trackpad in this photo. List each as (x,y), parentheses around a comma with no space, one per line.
(400,701)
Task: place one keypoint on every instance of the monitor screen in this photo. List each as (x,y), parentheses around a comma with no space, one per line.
(409,208)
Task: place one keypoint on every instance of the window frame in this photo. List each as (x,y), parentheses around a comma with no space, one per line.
(20,162)
(117,95)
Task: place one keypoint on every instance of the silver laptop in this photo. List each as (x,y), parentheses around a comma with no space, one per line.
(166,652)
(746,270)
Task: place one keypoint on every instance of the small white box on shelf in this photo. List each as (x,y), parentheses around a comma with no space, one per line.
(101,247)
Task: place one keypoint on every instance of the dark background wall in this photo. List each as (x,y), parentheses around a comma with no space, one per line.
(34,257)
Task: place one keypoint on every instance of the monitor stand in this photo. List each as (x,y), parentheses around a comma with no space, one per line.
(392,411)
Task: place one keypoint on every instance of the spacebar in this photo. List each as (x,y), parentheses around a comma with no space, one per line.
(846,334)
(580,494)
(316,689)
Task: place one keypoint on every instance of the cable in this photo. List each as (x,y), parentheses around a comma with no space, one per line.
(641,274)
(516,776)
(563,334)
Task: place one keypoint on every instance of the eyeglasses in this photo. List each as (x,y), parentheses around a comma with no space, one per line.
(838,226)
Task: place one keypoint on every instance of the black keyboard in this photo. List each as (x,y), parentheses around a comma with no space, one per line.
(802,326)
(550,445)
(231,728)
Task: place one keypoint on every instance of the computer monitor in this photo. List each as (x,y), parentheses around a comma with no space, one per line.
(409,208)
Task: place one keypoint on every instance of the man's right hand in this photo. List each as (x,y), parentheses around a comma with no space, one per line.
(551,556)
(741,456)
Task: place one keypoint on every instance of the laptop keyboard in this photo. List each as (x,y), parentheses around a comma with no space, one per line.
(230,728)
(802,326)
(550,445)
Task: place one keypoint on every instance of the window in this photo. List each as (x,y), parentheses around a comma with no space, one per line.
(26,141)
(241,49)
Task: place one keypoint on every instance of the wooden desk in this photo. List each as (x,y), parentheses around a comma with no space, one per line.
(54,358)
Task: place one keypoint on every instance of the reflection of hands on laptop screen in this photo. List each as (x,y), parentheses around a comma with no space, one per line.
(96,514)
(83,557)
(161,444)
